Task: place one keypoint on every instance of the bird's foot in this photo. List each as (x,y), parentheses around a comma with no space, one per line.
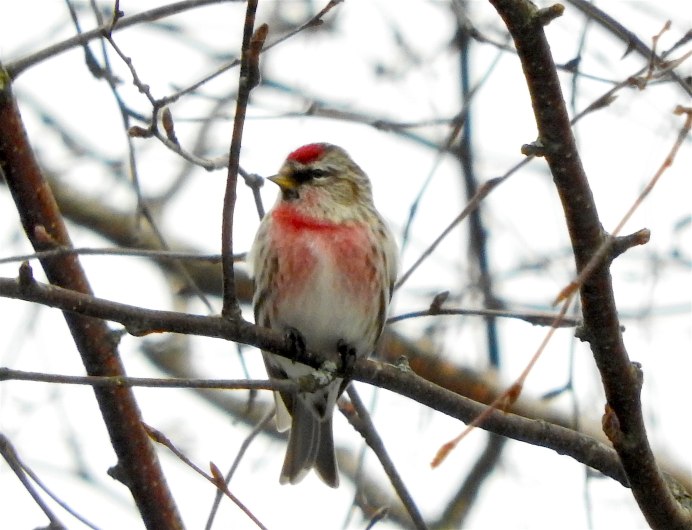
(347,354)
(295,341)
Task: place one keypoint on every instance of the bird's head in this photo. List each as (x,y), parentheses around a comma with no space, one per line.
(323,176)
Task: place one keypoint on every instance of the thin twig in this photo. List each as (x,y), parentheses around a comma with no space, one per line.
(15,68)
(505,399)
(125,252)
(162,439)
(535,318)
(10,455)
(312,22)
(8,374)
(259,428)
(631,40)
(641,237)
(249,79)
(142,205)
(482,192)
(363,424)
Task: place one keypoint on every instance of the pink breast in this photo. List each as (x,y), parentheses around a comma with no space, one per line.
(292,222)
(305,244)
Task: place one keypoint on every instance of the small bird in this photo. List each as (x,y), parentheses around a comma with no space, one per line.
(324,264)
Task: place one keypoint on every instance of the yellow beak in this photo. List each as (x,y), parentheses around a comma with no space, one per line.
(285,182)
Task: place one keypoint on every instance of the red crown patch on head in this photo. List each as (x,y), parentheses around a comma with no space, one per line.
(307,153)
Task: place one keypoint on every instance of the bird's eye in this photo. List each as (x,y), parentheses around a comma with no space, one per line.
(304,175)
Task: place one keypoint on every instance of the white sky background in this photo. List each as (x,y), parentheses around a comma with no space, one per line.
(621,146)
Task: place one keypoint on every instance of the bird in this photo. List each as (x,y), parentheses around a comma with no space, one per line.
(324,264)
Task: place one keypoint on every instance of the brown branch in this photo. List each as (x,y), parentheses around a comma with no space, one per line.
(10,456)
(43,224)
(535,318)
(359,418)
(8,374)
(630,39)
(424,360)
(23,473)
(261,426)
(14,68)
(621,378)
(214,477)
(472,204)
(400,379)
(249,79)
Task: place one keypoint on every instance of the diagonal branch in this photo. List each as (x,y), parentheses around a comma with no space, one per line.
(359,418)
(423,359)
(399,379)
(14,68)
(633,42)
(622,379)
(138,467)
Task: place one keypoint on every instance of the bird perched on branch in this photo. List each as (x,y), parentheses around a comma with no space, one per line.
(324,264)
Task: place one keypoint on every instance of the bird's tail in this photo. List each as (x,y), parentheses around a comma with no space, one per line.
(310,444)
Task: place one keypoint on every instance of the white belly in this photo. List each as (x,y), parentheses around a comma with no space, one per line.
(325,312)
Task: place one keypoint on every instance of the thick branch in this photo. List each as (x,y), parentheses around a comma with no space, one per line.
(397,379)
(424,360)
(138,467)
(621,379)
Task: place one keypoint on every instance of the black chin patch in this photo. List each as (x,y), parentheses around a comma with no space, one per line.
(289,194)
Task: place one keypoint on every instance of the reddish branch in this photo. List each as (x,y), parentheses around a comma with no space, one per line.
(622,379)
(138,466)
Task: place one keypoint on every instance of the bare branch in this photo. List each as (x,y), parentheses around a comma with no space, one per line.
(249,79)
(44,227)
(621,379)
(15,68)
(362,422)
(214,478)
(397,379)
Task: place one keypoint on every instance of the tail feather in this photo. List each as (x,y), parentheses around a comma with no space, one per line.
(325,461)
(310,444)
(302,443)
